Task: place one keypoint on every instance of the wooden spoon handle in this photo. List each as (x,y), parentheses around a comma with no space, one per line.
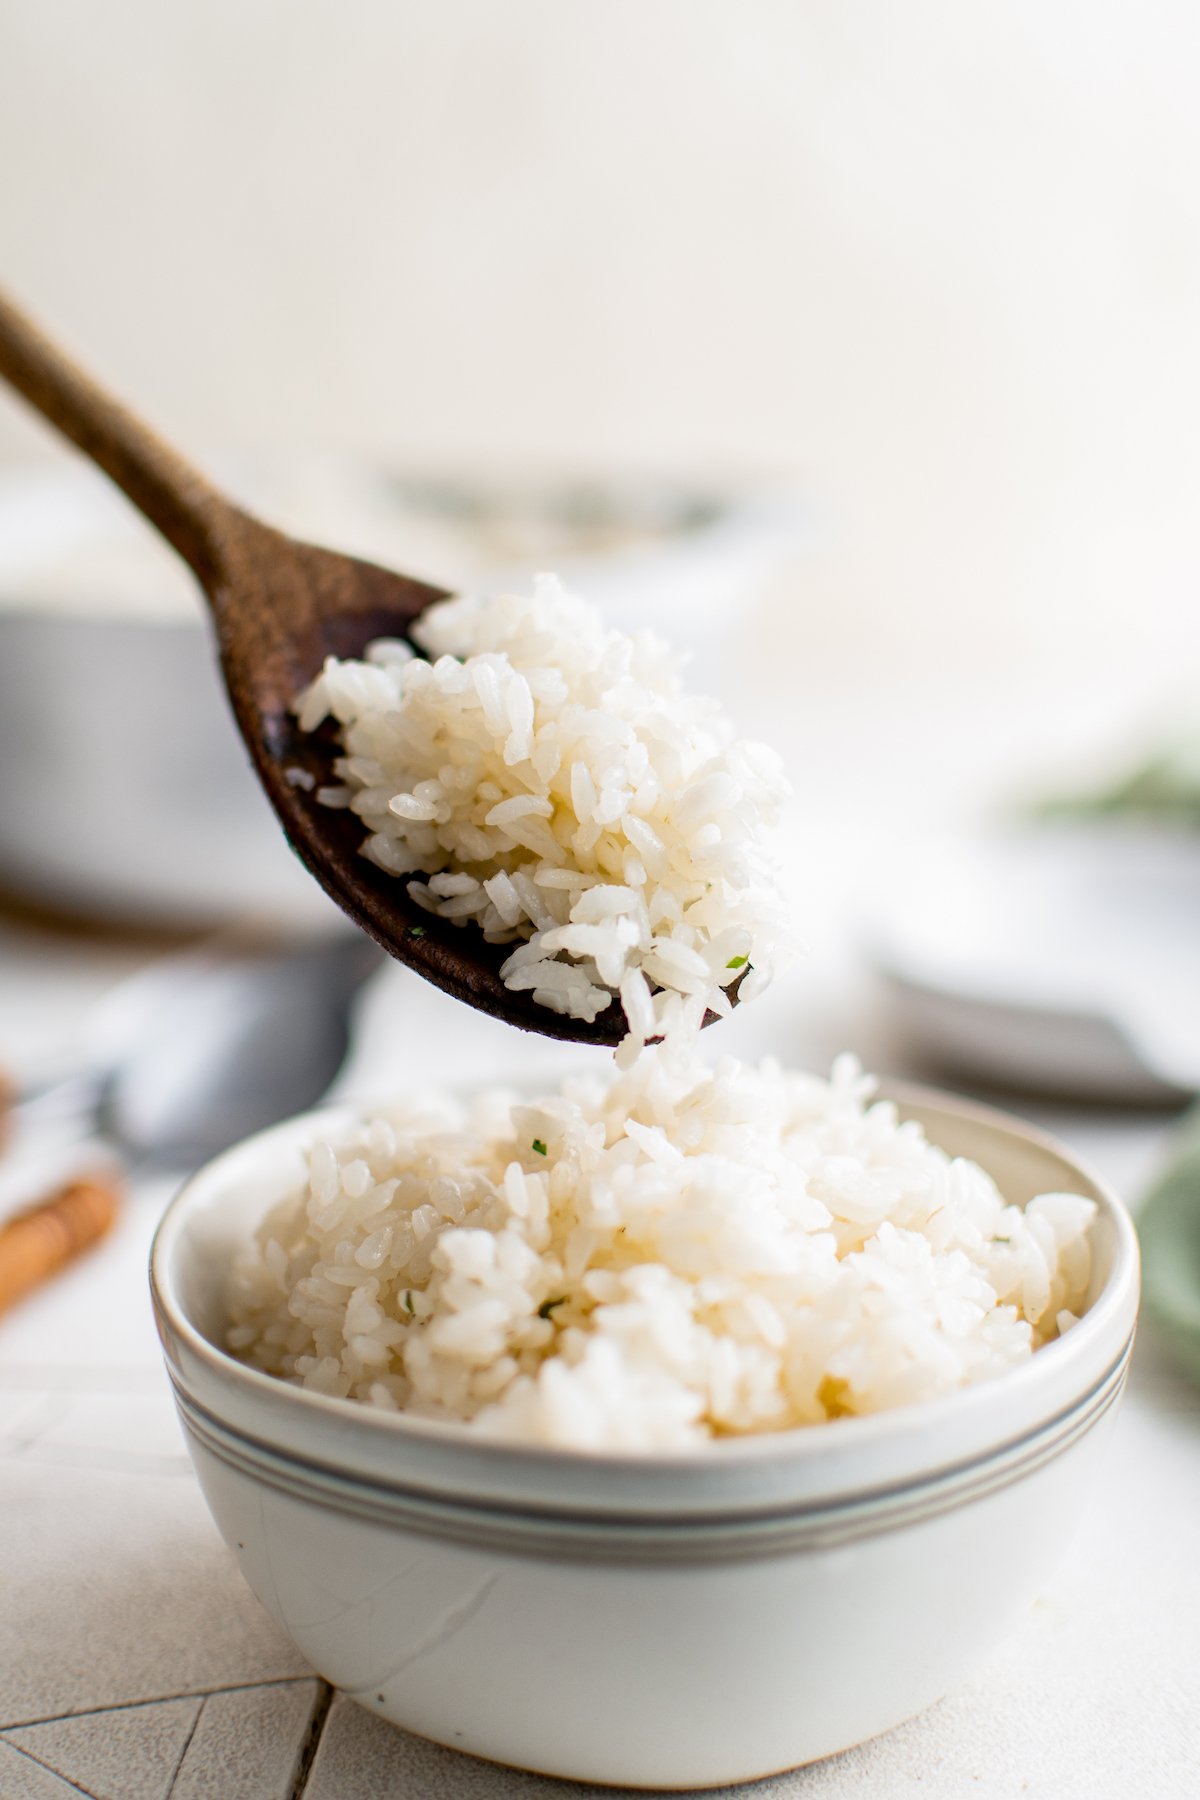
(176,498)
(40,1241)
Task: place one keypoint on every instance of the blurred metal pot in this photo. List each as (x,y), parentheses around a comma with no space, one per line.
(127,794)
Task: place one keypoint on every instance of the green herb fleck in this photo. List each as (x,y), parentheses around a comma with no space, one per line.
(539,1146)
(416,931)
(548,1306)
(408,1305)
(737,962)
(1001,1240)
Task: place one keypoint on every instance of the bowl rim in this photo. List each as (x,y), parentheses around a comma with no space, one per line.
(1046,1388)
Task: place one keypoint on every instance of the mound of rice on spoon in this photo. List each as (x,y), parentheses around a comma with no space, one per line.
(550,782)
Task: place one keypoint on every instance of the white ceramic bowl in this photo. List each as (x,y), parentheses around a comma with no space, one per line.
(673,1621)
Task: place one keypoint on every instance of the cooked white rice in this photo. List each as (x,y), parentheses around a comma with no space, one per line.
(551,782)
(650,1260)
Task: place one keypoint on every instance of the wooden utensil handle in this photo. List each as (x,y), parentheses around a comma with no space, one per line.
(175,497)
(41,1240)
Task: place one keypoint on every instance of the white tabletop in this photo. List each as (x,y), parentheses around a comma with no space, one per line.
(136,1665)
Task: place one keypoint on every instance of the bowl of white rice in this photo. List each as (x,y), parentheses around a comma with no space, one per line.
(671,1429)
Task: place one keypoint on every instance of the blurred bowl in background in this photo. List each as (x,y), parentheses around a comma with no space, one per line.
(136,802)
(1059,958)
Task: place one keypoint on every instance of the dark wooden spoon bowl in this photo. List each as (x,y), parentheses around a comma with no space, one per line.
(279,607)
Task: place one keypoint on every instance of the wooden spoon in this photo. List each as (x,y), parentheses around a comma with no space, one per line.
(279,608)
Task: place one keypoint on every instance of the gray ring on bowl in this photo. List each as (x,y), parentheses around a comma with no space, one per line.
(842,1520)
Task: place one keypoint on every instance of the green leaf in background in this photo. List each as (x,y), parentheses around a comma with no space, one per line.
(1169,1229)
(1166,787)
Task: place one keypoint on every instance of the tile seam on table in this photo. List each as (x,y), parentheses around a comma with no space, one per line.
(91,1456)
(82,1376)
(307,1755)
(75,1786)
(187,1744)
(32,1425)
(90,1712)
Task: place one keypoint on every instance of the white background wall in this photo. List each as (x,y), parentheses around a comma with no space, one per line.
(938,264)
